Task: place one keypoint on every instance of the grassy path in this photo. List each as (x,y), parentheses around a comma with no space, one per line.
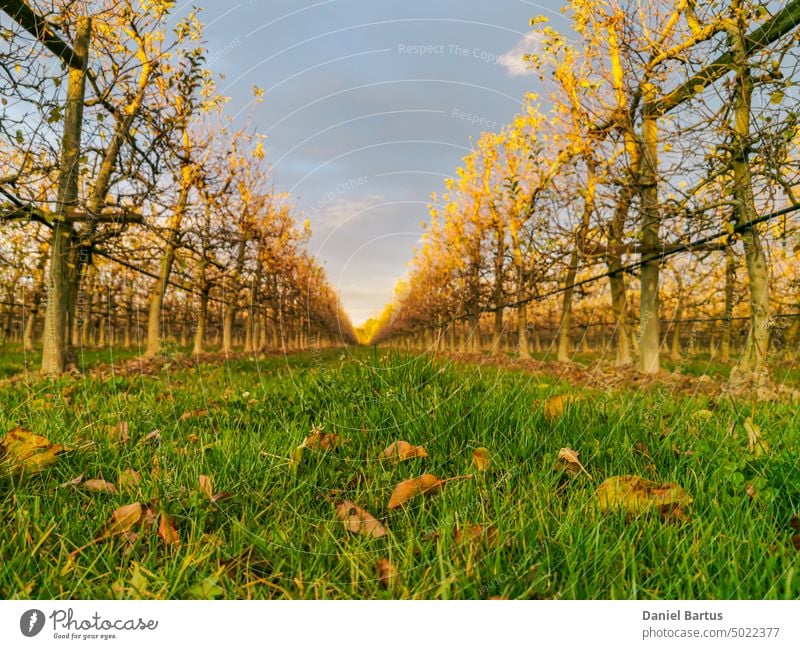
(275,533)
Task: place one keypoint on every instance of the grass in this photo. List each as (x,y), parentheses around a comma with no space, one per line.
(277,535)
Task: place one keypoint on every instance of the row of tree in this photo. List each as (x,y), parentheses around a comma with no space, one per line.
(125,189)
(636,186)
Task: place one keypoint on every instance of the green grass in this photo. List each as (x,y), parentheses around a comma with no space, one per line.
(278,537)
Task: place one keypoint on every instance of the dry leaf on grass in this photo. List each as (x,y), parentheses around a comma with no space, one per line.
(72,483)
(101,486)
(633,495)
(167,531)
(401,450)
(320,440)
(359,521)
(119,433)
(387,575)
(480,458)
(553,407)
(568,460)
(24,451)
(408,489)
(193,414)
(122,520)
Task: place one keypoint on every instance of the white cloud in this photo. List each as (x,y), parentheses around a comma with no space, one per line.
(514,60)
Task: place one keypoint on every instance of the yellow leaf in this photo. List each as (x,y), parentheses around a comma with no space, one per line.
(554,407)
(633,494)
(123,519)
(22,450)
(480,458)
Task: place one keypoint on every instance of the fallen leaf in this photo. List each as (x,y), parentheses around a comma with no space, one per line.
(756,444)
(401,450)
(634,494)
(101,486)
(480,458)
(408,489)
(72,483)
(119,432)
(359,521)
(129,479)
(166,531)
(153,437)
(206,486)
(21,450)
(192,438)
(193,414)
(320,440)
(387,575)
(553,407)
(568,460)
(222,495)
(122,520)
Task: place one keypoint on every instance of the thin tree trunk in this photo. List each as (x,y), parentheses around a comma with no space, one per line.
(54,350)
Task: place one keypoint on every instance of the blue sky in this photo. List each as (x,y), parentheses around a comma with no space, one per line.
(368,106)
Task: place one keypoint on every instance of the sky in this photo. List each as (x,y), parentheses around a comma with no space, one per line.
(369,105)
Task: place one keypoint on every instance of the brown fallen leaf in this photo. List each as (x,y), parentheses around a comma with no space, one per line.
(387,575)
(119,433)
(128,479)
(568,460)
(24,451)
(480,458)
(408,489)
(206,486)
(634,494)
(153,437)
(401,450)
(192,438)
(221,495)
(101,486)
(72,483)
(193,414)
(359,521)
(320,440)
(167,531)
(553,407)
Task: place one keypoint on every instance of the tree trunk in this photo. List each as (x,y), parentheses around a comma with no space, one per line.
(754,358)
(649,325)
(730,278)
(160,287)
(54,350)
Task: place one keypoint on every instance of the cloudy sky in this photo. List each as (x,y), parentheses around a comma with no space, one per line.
(369,105)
